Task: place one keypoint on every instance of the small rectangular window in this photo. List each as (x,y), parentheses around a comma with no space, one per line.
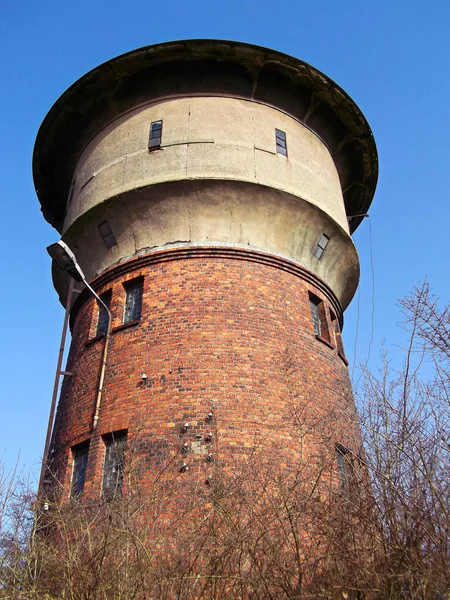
(102,322)
(315,316)
(107,234)
(113,468)
(337,334)
(319,318)
(133,300)
(321,245)
(345,468)
(280,140)
(80,457)
(154,141)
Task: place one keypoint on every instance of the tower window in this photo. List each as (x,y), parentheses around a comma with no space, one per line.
(315,313)
(337,334)
(115,449)
(154,142)
(320,246)
(102,322)
(80,458)
(107,234)
(281,144)
(345,468)
(133,300)
(319,319)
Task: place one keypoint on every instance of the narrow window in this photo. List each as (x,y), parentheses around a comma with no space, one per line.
(133,300)
(115,449)
(315,316)
(280,139)
(345,468)
(337,334)
(319,318)
(80,458)
(319,248)
(154,142)
(102,322)
(107,234)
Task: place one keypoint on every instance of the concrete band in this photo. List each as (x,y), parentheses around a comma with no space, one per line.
(214,212)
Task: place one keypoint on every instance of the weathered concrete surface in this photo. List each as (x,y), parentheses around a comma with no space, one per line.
(216,212)
(206,138)
(200,68)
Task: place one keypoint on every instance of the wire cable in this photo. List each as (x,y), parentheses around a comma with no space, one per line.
(356,336)
(372,332)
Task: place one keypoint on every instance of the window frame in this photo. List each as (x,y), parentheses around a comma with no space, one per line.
(155,135)
(345,460)
(319,319)
(315,315)
(281,142)
(77,481)
(321,246)
(336,328)
(108,236)
(116,439)
(102,315)
(138,284)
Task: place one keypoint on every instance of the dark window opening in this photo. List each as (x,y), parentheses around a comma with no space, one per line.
(80,458)
(321,245)
(319,318)
(315,317)
(113,468)
(281,144)
(133,300)
(107,234)
(154,141)
(346,470)
(103,318)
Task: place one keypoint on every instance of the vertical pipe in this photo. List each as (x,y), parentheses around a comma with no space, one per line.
(98,401)
(102,373)
(56,386)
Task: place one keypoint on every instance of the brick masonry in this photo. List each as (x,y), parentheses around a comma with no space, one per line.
(227,332)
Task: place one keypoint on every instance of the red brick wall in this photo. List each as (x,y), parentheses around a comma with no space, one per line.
(222,331)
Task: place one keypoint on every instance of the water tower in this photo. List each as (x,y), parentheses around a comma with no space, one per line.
(208,190)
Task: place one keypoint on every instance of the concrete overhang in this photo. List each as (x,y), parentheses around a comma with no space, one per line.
(203,67)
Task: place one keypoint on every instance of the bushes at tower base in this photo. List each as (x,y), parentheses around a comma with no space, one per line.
(257,533)
(261,529)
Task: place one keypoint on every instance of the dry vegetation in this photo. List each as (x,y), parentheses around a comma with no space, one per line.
(259,532)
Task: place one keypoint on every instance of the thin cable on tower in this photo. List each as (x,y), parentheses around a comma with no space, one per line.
(356,335)
(372,332)
(373,292)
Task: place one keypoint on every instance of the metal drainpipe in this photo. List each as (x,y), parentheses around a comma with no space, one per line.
(98,402)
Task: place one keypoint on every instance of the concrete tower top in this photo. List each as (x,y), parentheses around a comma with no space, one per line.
(204,67)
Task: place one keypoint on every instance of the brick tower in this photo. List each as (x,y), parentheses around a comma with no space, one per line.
(209,190)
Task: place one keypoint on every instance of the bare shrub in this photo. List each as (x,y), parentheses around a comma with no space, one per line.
(334,523)
(405,421)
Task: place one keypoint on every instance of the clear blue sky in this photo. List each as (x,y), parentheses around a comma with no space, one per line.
(391,56)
